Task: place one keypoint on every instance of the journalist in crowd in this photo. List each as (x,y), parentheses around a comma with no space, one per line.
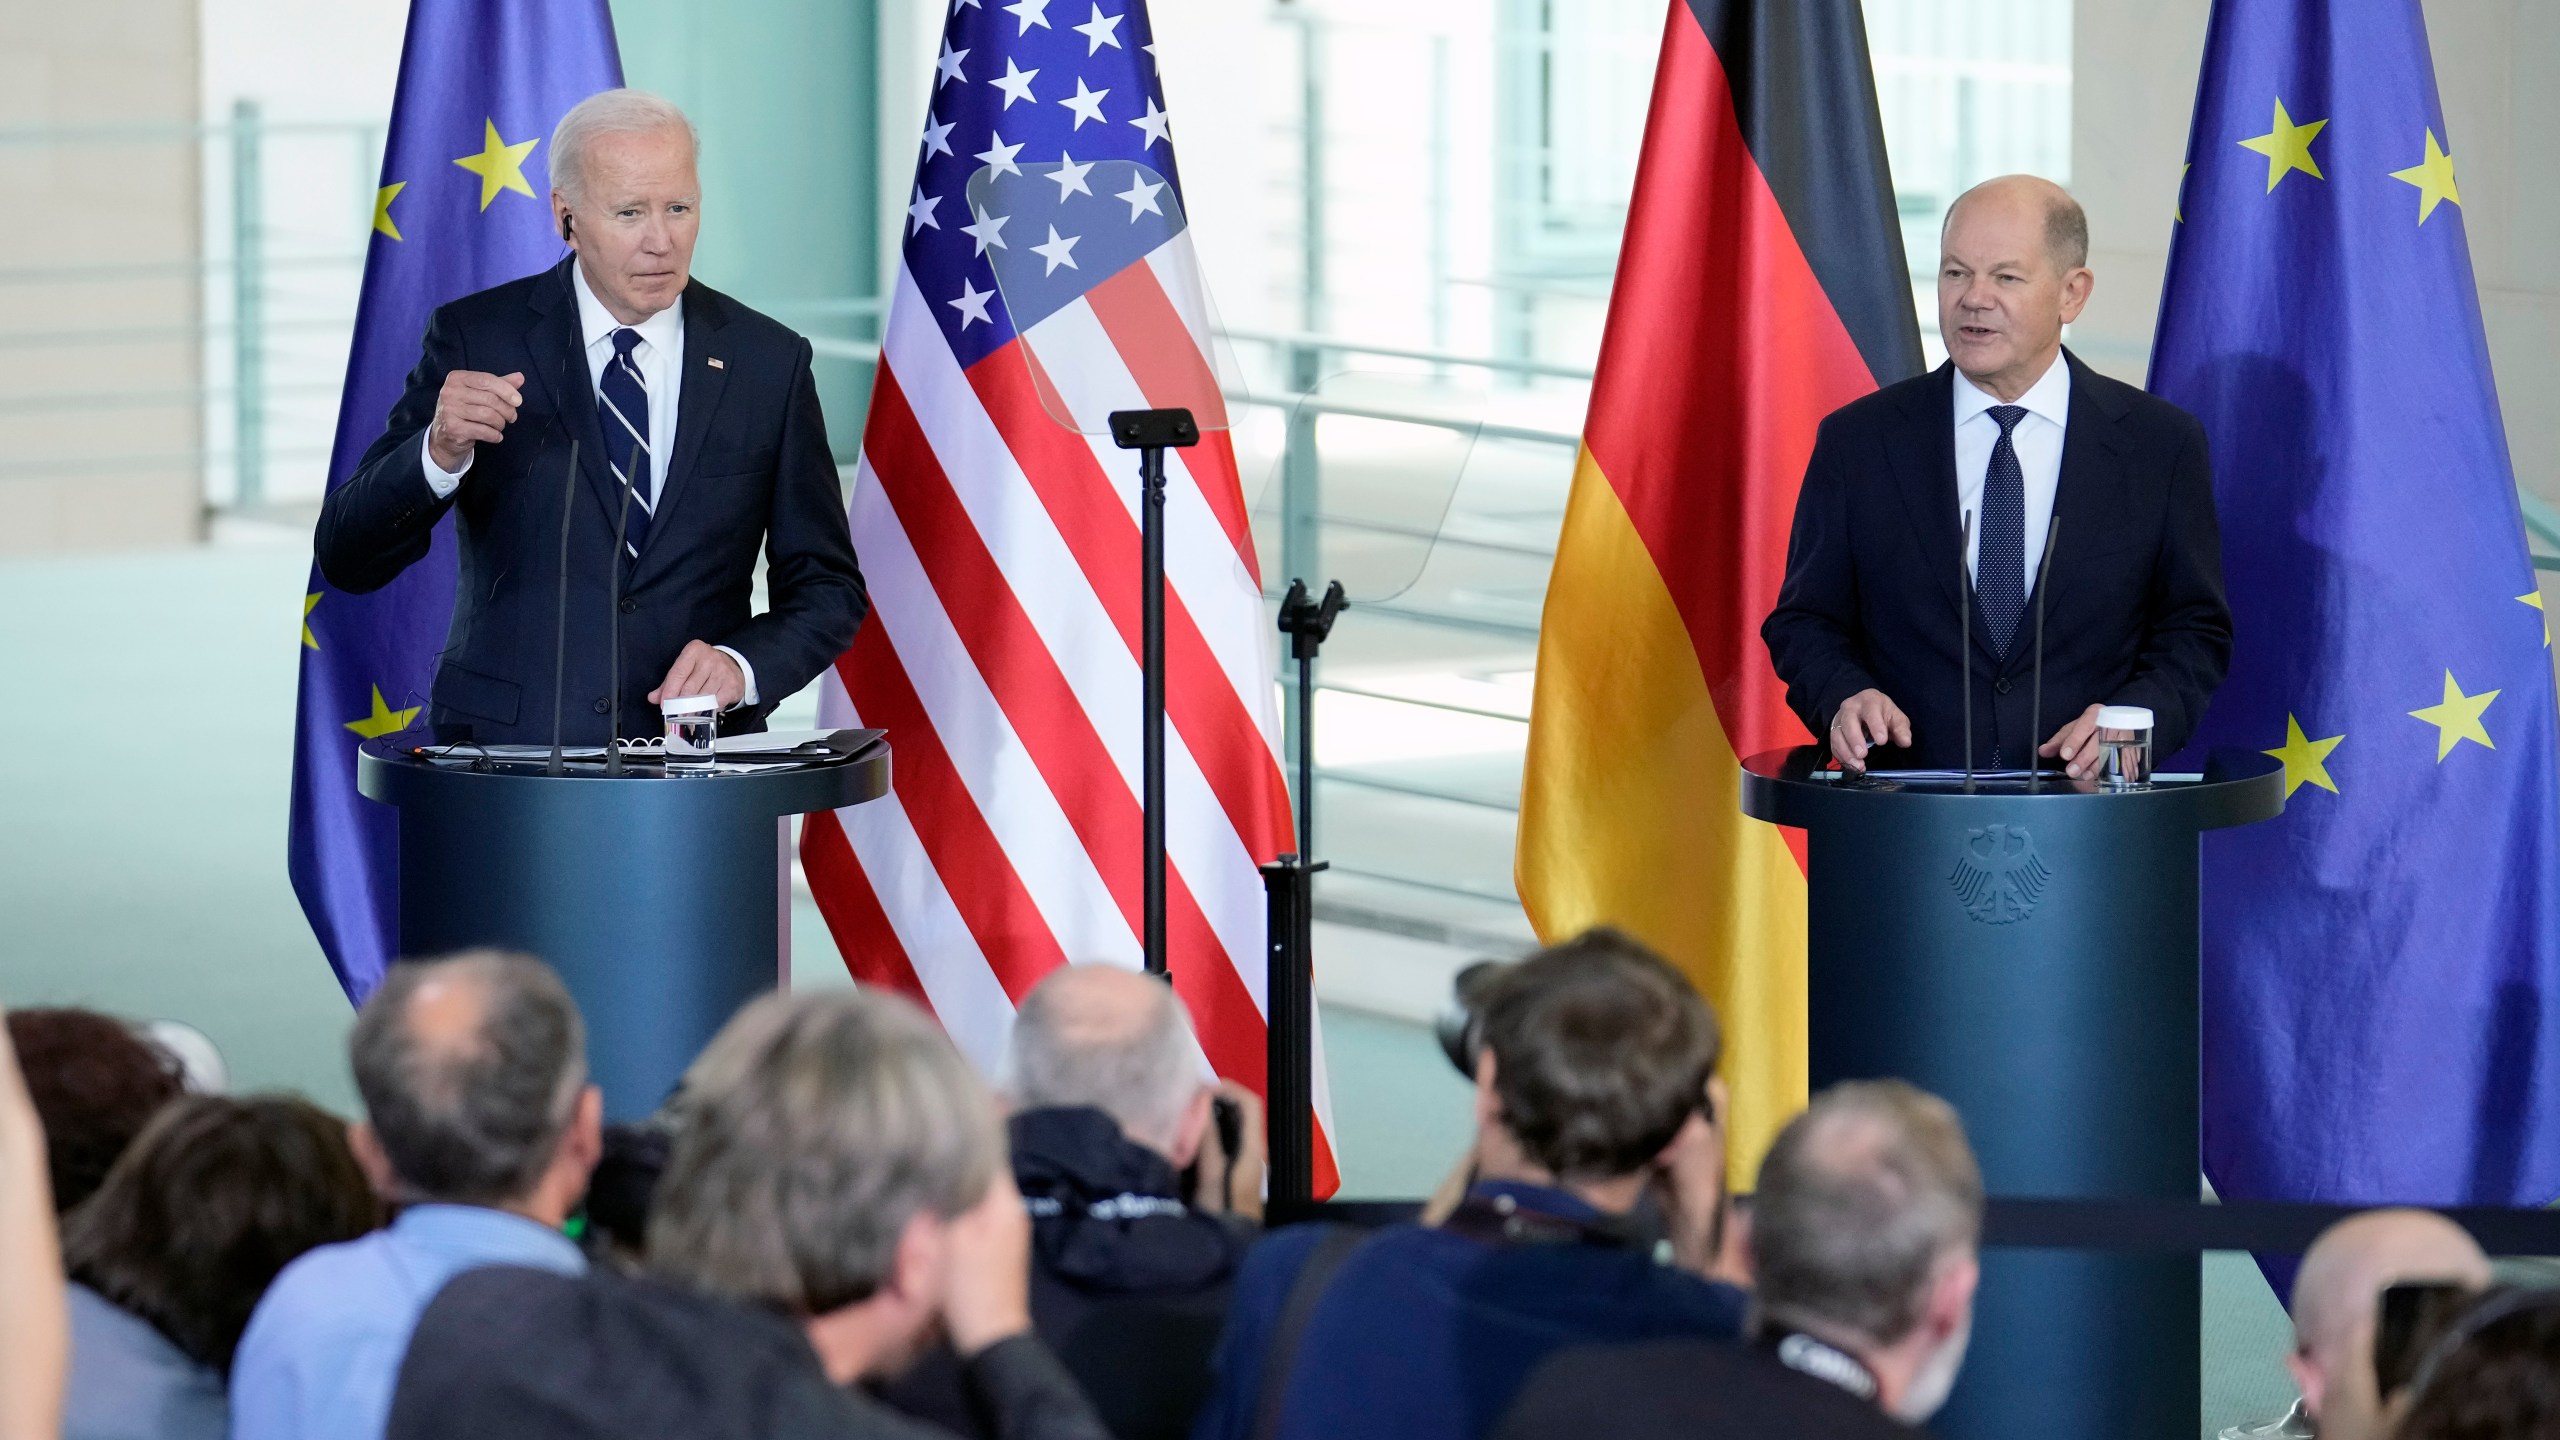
(480,1124)
(1596,1209)
(1131,1266)
(836,1198)
(1864,1237)
(699,442)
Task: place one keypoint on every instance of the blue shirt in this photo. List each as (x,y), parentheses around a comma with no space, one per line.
(1426,1335)
(130,1382)
(323,1349)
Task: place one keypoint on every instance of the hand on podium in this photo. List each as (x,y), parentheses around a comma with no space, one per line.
(2072,743)
(1864,721)
(703,669)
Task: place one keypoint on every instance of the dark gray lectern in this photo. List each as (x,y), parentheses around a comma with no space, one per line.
(2032,958)
(663,902)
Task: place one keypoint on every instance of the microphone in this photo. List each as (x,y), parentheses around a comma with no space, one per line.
(2035,705)
(1964,641)
(621,542)
(560,614)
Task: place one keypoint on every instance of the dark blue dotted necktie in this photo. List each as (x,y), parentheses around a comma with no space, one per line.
(1999,572)
(626,434)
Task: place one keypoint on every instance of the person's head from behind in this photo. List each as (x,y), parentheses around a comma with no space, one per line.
(213,1199)
(2491,1373)
(1115,1040)
(473,1070)
(626,197)
(2336,1298)
(1865,1235)
(1595,1058)
(96,1082)
(826,1146)
(2013,269)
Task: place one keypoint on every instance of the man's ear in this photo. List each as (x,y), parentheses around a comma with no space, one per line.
(2075,292)
(561,222)
(1951,1297)
(916,1266)
(584,1142)
(1192,1130)
(1488,1100)
(2308,1378)
(376,1166)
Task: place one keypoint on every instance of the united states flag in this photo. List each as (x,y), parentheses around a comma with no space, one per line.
(998,529)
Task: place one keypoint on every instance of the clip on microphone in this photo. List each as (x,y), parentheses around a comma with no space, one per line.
(621,542)
(1964,641)
(2035,705)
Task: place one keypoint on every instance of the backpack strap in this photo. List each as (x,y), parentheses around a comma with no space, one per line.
(1280,1357)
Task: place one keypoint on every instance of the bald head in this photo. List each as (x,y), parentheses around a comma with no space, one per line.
(471,1069)
(1113,1039)
(2013,269)
(2336,1295)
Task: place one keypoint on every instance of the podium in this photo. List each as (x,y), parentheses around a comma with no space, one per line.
(2033,959)
(663,902)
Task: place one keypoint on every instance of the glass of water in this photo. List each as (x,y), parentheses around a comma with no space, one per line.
(693,722)
(2124,747)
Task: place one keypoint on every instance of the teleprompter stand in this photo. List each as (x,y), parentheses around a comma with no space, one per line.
(1151,433)
(1289,883)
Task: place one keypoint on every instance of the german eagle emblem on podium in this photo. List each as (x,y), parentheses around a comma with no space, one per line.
(1998,876)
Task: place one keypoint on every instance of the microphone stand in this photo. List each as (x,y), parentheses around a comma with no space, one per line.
(621,533)
(560,620)
(1151,433)
(2035,704)
(1964,641)
(1289,884)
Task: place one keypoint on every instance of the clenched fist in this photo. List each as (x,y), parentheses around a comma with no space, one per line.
(474,408)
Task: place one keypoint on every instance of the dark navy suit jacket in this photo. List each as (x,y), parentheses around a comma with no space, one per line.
(751,470)
(2135,614)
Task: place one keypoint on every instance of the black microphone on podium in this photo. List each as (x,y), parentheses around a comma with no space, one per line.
(2035,704)
(560,611)
(621,542)
(1964,640)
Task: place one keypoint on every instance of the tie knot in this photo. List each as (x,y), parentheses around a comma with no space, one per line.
(624,340)
(2005,416)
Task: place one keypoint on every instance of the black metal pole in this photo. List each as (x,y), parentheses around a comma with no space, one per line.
(1151,582)
(1289,887)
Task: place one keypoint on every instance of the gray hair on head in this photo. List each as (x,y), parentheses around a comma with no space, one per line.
(809,1133)
(1107,1037)
(609,112)
(1861,1199)
(469,1089)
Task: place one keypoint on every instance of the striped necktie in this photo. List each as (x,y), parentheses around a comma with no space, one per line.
(625,397)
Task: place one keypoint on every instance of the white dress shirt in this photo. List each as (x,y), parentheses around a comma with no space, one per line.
(660,356)
(2038,441)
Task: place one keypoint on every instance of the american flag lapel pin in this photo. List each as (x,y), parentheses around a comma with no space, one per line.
(717,363)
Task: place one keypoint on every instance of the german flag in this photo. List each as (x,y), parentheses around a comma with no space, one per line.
(1761,286)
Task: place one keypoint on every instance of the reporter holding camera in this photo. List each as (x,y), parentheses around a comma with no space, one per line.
(1594,1216)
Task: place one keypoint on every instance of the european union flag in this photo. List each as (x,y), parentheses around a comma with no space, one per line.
(2380,963)
(464,204)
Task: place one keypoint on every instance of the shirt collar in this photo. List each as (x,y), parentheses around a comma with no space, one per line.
(664,330)
(483,1230)
(2049,397)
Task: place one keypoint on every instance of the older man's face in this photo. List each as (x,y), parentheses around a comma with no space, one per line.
(2002,298)
(636,220)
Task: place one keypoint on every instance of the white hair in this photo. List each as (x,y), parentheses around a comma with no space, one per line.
(1143,1076)
(609,112)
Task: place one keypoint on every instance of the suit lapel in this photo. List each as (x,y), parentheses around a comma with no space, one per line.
(697,395)
(2092,478)
(1925,473)
(559,375)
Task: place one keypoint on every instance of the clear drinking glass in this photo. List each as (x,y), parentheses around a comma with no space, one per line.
(693,722)
(2124,747)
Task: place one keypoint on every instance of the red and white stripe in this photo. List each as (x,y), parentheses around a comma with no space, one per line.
(1002,656)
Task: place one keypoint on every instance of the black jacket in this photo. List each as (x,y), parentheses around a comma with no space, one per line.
(515,1354)
(2135,614)
(1688,1390)
(1128,1284)
(751,470)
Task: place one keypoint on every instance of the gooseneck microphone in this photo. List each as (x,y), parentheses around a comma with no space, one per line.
(560,613)
(621,542)
(1964,641)
(2035,704)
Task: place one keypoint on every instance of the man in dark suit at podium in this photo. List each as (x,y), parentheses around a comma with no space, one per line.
(699,437)
(2015,431)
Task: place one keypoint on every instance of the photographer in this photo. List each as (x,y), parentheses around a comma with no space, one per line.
(1596,1207)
